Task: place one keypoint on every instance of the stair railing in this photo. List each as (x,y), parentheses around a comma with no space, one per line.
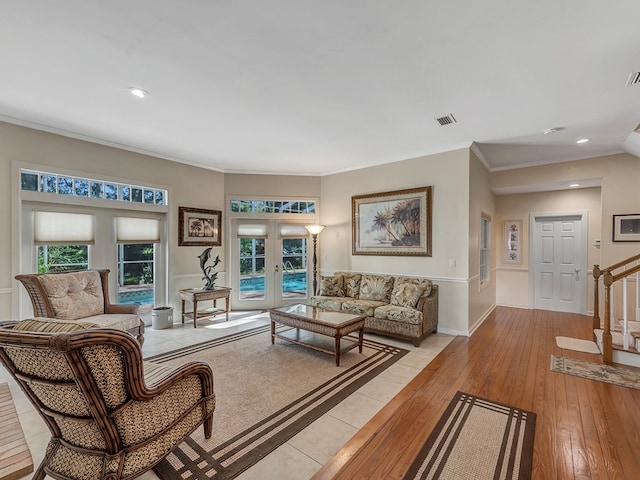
(609,279)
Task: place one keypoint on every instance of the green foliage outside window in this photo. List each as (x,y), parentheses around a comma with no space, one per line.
(56,258)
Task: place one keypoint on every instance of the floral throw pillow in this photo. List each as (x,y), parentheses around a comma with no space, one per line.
(352,284)
(376,287)
(332,286)
(407,293)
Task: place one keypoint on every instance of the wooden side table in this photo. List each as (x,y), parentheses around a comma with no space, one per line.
(195,295)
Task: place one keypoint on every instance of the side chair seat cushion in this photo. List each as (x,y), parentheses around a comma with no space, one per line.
(119,321)
(74,295)
(52,325)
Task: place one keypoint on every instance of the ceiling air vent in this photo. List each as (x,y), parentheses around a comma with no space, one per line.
(633,79)
(446,120)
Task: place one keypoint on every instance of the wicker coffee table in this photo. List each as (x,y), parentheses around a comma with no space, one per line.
(337,325)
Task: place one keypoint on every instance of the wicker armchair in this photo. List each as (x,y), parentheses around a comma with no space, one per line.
(111,415)
(80,294)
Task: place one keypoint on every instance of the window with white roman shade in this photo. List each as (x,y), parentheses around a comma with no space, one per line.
(293,231)
(252,230)
(58,228)
(137,230)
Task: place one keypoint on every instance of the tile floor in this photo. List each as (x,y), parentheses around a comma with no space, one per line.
(304,454)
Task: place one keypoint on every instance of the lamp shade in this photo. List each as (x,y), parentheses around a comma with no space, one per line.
(314,229)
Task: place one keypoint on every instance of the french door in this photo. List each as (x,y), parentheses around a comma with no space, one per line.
(269,264)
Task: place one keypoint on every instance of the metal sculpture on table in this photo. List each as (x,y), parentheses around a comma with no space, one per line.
(209,275)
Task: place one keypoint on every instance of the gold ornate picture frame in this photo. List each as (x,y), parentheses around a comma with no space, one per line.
(392,223)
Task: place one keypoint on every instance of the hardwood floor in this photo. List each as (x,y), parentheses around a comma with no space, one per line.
(585,429)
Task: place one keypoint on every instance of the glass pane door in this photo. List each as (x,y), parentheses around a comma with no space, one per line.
(268,267)
(252,284)
(294,269)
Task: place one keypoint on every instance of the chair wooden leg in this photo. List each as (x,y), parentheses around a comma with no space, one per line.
(39,473)
(208,426)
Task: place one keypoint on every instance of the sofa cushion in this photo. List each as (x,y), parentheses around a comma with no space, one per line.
(74,295)
(332,286)
(418,281)
(119,321)
(52,325)
(406,293)
(398,314)
(361,307)
(376,287)
(329,303)
(351,284)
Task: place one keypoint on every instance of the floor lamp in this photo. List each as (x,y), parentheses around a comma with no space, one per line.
(314,230)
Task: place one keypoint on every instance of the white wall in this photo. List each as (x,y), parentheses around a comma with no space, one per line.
(447,173)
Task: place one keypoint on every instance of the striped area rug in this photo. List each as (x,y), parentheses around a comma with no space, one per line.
(477,439)
(265,394)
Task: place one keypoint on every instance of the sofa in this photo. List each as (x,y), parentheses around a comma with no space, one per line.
(394,305)
(80,295)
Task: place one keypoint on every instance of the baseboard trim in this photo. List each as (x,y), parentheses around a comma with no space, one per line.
(481,320)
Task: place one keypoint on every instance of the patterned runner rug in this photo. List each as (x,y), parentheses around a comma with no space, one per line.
(596,371)
(477,438)
(265,394)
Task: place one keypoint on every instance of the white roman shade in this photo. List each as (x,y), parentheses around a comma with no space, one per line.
(251,230)
(58,228)
(137,230)
(289,231)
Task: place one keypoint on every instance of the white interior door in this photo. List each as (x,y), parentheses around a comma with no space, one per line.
(559,259)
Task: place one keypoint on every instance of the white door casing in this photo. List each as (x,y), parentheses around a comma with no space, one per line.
(558,262)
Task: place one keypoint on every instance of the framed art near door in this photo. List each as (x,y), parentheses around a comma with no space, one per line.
(513,241)
(626,228)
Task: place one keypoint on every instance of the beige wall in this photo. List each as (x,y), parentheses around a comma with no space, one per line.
(460,192)
(255,186)
(513,285)
(447,173)
(188,186)
(620,177)
(481,201)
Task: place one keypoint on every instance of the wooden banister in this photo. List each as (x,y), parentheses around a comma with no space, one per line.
(607,339)
(609,278)
(626,273)
(622,263)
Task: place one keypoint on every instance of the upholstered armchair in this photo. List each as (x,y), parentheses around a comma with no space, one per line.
(111,415)
(80,295)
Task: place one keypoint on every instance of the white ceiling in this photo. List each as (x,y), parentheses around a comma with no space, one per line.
(315,87)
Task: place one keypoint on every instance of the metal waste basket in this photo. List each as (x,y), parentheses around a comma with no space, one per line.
(161,318)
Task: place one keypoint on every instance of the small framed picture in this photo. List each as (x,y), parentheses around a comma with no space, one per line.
(626,228)
(197,226)
(513,241)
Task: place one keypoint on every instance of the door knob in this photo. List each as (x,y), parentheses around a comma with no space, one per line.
(277,268)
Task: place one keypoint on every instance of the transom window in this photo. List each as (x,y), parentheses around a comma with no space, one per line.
(273,206)
(34,181)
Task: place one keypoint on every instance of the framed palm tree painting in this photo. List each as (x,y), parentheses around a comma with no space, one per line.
(392,223)
(197,226)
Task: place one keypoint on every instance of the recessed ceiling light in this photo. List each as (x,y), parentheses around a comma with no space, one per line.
(583,140)
(574,185)
(138,92)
